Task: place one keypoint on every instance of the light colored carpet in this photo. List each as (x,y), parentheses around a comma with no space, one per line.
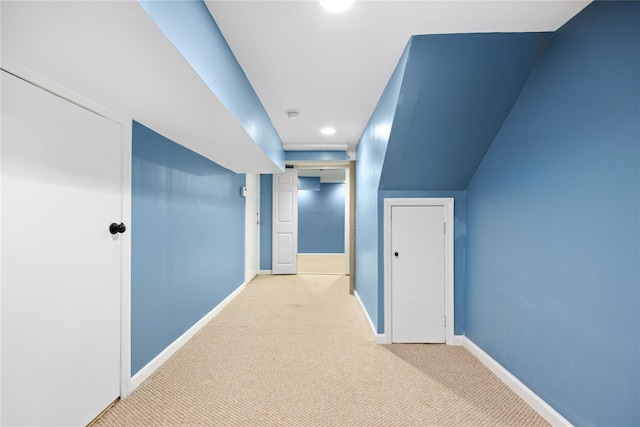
(321,263)
(297,350)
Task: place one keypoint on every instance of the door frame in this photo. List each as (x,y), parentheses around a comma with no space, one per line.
(252,222)
(28,73)
(447,204)
(349,220)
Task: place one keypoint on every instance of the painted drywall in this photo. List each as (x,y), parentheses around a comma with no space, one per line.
(370,154)
(316,155)
(553,225)
(192,30)
(266,222)
(187,241)
(321,219)
(459,212)
(309,183)
(457,89)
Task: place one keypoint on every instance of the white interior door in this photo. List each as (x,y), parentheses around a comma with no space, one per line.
(418,274)
(285,222)
(60,278)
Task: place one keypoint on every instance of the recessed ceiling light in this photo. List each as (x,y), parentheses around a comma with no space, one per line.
(336,6)
(327,131)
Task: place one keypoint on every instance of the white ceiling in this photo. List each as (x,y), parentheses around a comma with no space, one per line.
(332,68)
(111,54)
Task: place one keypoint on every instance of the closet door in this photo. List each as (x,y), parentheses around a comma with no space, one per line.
(60,276)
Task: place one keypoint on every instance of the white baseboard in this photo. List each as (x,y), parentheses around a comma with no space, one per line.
(458,340)
(152,366)
(378,338)
(540,406)
(267,272)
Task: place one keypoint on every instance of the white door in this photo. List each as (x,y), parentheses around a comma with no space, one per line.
(60,279)
(285,222)
(418,274)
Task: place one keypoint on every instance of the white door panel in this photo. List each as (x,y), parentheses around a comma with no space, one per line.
(418,274)
(60,278)
(285,223)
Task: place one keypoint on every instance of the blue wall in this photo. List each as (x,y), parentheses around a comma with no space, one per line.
(266,221)
(553,225)
(187,239)
(321,220)
(191,29)
(457,89)
(370,158)
(309,183)
(316,155)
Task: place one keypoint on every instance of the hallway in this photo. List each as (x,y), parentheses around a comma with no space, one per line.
(297,350)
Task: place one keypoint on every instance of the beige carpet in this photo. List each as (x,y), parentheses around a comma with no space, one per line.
(321,263)
(297,350)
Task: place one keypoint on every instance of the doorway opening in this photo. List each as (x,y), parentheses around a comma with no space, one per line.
(322,219)
(323,230)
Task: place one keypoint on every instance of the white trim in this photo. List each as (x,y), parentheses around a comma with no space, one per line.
(252,226)
(447,203)
(378,338)
(552,416)
(0,247)
(152,366)
(125,264)
(458,340)
(22,69)
(264,272)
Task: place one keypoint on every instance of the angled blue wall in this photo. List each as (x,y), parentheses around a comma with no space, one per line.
(192,30)
(452,94)
(553,225)
(456,92)
(321,219)
(370,158)
(187,241)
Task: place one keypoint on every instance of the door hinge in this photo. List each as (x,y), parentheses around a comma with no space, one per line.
(445,321)
(445,228)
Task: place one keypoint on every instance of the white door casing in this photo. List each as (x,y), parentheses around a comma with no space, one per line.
(418,304)
(285,222)
(61,267)
(252,221)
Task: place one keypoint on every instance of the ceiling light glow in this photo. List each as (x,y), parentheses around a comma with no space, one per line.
(327,131)
(336,6)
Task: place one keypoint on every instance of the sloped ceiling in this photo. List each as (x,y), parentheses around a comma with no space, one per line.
(333,67)
(112,54)
(456,92)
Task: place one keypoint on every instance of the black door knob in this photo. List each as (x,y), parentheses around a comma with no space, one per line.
(395,254)
(117,228)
